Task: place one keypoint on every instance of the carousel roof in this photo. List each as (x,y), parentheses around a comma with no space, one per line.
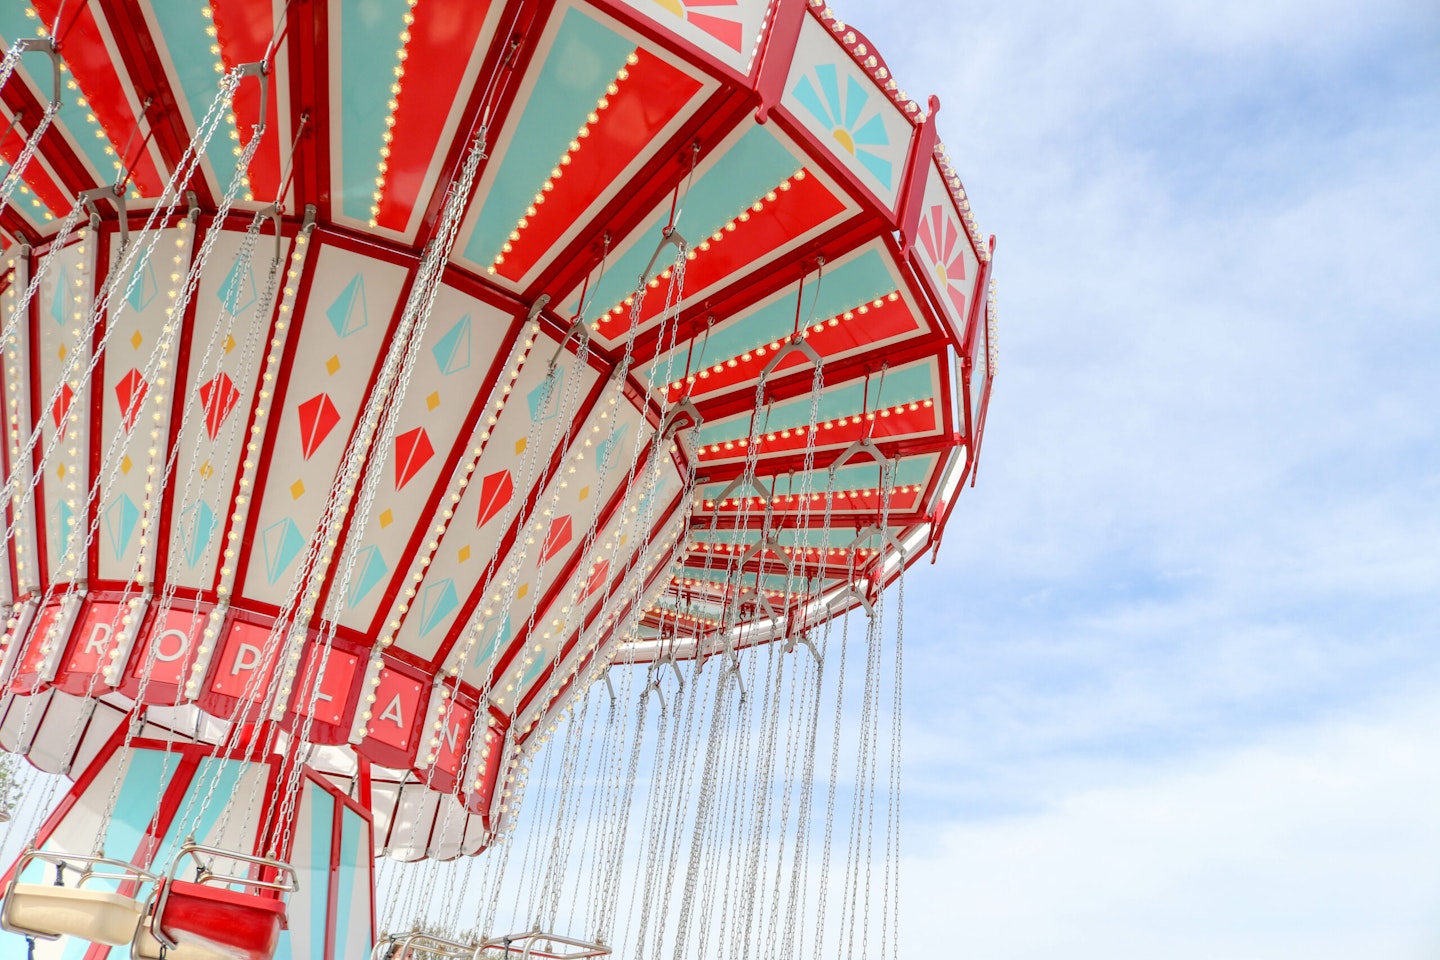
(676,204)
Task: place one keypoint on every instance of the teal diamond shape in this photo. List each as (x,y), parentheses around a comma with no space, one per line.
(607,451)
(121,517)
(372,569)
(348,313)
(532,671)
(437,602)
(282,543)
(544,400)
(197,526)
(65,524)
(144,288)
(452,351)
(62,291)
(495,634)
(237,290)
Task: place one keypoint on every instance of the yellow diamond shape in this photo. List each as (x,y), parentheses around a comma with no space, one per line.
(386,518)
(297,489)
(63,351)
(433,400)
(333,364)
(584,493)
(60,471)
(136,339)
(624,539)
(520,446)
(524,589)
(206,471)
(229,343)
(464,553)
(125,465)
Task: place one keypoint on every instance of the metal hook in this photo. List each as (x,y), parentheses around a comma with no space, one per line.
(261,69)
(46,46)
(115,196)
(672,424)
(668,235)
(272,212)
(577,332)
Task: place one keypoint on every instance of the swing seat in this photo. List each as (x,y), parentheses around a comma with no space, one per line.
(46,911)
(215,922)
(412,946)
(146,947)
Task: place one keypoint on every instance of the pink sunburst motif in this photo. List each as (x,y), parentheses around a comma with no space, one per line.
(728,32)
(940,239)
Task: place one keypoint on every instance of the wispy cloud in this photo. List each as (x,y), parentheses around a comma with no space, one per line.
(1209,507)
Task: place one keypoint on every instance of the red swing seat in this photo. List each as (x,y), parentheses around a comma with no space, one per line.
(245,926)
(205,918)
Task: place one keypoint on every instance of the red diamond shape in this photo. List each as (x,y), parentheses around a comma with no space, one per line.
(318,417)
(495,491)
(597,577)
(130,391)
(556,538)
(412,451)
(217,398)
(60,409)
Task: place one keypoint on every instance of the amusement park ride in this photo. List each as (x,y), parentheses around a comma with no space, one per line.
(392,386)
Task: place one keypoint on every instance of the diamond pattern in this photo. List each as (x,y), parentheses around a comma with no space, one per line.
(607,451)
(318,417)
(121,518)
(60,409)
(372,567)
(237,291)
(144,287)
(62,290)
(556,539)
(130,391)
(348,314)
(197,525)
(282,542)
(495,491)
(544,400)
(598,574)
(412,452)
(437,601)
(217,398)
(452,351)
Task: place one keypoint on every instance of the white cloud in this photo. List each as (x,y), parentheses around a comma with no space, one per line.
(1317,842)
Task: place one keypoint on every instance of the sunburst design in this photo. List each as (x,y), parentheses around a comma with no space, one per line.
(853,120)
(727,31)
(940,239)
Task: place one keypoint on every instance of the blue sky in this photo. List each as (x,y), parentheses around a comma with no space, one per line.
(1175,684)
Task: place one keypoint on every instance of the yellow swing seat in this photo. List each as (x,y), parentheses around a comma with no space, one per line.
(48,911)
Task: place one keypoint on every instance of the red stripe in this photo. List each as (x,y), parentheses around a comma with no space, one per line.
(243,29)
(794,212)
(35,175)
(891,319)
(441,41)
(93,70)
(650,97)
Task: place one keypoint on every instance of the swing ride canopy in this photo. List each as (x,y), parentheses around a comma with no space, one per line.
(583,331)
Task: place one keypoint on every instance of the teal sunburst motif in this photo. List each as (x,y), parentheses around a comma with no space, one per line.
(853,120)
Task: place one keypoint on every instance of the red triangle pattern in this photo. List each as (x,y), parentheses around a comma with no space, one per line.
(217,398)
(495,491)
(130,391)
(412,452)
(60,409)
(318,417)
(557,537)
